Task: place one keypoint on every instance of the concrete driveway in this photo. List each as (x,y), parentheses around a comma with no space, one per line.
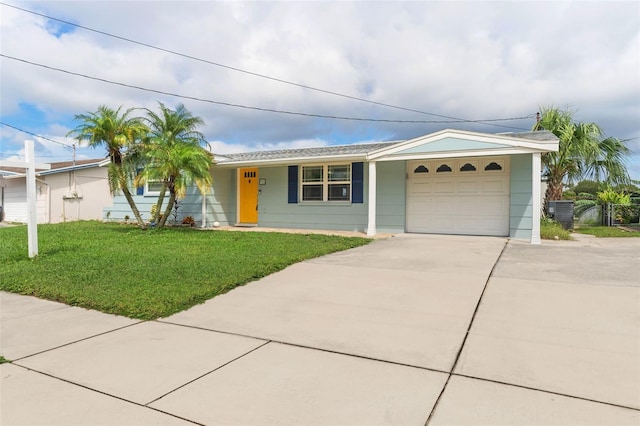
(411,330)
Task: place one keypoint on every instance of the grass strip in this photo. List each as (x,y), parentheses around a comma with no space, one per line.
(122,270)
(608,231)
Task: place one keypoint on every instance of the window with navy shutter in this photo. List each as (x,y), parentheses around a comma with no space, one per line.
(139,189)
(326,183)
(357,180)
(293,185)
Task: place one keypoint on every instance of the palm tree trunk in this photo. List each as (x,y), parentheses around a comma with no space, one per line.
(134,208)
(124,187)
(167,212)
(156,217)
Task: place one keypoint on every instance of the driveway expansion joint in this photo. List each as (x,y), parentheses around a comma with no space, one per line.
(297,345)
(566,395)
(51,376)
(207,373)
(77,341)
(466,335)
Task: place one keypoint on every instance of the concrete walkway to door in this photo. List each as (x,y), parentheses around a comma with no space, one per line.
(411,330)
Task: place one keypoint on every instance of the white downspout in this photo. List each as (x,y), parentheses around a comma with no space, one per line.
(371,227)
(536,207)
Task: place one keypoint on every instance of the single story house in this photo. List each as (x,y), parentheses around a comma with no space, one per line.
(68,191)
(448,182)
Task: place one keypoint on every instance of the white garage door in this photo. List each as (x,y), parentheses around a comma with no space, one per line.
(468,196)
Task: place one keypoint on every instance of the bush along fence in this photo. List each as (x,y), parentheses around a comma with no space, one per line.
(620,214)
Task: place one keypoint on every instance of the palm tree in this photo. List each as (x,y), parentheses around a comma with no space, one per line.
(582,153)
(175,155)
(120,134)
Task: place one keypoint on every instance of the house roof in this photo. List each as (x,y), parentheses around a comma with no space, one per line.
(444,143)
(304,154)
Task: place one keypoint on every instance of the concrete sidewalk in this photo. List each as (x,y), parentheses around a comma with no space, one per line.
(411,330)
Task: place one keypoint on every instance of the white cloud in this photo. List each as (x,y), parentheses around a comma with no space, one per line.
(463,59)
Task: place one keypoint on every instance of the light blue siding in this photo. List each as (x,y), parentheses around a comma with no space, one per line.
(391,196)
(221,199)
(521,201)
(451,144)
(221,203)
(275,211)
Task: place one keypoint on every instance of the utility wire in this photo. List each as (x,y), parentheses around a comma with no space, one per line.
(332,117)
(304,86)
(36,135)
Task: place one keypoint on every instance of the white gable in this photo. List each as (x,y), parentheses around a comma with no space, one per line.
(457,143)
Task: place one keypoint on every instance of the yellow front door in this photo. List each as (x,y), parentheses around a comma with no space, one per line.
(248,196)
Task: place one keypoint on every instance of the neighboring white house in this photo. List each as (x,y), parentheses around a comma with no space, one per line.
(69,191)
(448,182)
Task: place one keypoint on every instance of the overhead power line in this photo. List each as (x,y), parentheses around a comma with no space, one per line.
(36,135)
(332,117)
(255,74)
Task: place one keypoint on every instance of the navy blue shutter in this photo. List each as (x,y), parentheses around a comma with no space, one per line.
(293,184)
(139,189)
(357,182)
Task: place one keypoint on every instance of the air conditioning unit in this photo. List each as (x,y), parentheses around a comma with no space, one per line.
(562,212)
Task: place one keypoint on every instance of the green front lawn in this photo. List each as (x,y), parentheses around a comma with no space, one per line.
(122,270)
(607,231)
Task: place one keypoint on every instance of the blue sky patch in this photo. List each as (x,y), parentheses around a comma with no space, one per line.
(57,29)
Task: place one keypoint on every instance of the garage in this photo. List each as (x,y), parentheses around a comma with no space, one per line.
(465,196)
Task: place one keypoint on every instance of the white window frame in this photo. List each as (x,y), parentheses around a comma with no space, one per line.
(325,183)
(149,193)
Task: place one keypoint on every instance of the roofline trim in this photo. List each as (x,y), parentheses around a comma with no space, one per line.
(457,154)
(293,160)
(467,135)
(69,168)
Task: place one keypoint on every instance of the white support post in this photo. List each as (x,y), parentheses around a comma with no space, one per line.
(371,227)
(536,207)
(30,180)
(32,207)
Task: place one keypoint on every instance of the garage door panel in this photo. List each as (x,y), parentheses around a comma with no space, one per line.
(466,186)
(422,187)
(496,186)
(444,187)
(461,202)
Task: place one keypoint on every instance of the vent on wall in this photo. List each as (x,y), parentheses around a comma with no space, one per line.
(72,195)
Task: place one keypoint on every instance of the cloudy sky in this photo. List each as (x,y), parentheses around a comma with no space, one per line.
(446,61)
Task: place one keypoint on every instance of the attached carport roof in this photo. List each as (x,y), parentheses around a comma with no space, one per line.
(446,143)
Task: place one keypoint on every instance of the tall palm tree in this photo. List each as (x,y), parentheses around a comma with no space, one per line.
(175,155)
(582,152)
(120,134)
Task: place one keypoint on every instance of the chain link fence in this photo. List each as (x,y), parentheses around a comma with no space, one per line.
(621,214)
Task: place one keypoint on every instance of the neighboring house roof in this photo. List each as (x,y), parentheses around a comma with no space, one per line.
(453,142)
(56,167)
(64,166)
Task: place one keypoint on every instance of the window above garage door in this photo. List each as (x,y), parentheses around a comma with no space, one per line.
(470,166)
